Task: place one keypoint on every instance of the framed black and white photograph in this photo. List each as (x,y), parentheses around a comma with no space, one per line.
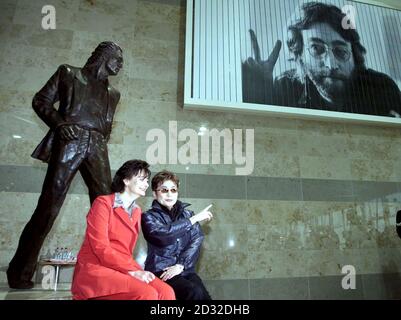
(335,60)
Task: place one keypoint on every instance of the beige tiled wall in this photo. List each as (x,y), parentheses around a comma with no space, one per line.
(248,239)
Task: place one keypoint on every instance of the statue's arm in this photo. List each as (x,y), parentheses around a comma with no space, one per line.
(110,123)
(44,100)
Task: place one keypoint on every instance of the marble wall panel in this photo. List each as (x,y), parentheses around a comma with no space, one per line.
(274,236)
(7,11)
(104,16)
(36,36)
(159,31)
(376,170)
(156,49)
(155,70)
(277,263)
(325,167)
(159,12)
(217,265)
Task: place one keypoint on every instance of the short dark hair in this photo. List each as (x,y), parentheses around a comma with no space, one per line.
(127,171)
(102,52)
(162,176)
(314,12)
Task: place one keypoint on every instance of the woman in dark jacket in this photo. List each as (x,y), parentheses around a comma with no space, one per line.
(174,239)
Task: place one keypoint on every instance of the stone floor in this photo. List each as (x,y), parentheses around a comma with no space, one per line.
(37,293)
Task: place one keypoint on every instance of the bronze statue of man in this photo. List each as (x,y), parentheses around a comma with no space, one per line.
(77,140)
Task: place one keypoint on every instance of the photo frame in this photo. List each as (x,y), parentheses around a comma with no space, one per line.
(362,42)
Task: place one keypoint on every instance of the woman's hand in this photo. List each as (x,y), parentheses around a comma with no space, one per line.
(205,214)
(171,272)
(144,276)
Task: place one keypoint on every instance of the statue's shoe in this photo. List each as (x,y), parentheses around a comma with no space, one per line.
(20,284)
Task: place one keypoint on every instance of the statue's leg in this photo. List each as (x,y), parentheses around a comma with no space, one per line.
(62,168)
(95,169)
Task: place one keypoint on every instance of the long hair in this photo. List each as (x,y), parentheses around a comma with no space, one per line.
(312,13)
(102,52)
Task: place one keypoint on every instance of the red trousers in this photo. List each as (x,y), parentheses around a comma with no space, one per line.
(139,290)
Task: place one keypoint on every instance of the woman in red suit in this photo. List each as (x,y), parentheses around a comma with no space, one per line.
(105,267)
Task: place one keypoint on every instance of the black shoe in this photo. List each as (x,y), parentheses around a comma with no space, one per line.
(20,284)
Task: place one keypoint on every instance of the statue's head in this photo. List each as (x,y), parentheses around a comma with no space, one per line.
(110,54)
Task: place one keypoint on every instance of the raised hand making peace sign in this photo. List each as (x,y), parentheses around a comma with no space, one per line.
(257,74)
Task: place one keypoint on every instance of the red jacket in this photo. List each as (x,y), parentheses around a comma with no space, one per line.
(106,253)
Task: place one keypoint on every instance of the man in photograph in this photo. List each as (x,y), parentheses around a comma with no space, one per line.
(330,72)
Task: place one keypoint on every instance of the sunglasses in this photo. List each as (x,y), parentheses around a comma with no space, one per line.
(173,190)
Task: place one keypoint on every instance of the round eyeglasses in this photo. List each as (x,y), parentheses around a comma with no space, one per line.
(320,50)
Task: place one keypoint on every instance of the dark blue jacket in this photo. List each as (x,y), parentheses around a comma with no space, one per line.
(171,240)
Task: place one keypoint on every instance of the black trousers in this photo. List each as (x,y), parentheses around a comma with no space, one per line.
(188,287)
(88,154)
